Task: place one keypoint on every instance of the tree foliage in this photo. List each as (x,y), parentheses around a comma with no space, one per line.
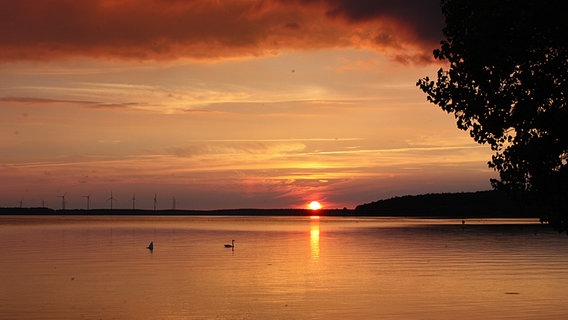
(506,84)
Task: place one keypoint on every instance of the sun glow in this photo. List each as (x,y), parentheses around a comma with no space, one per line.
(314,205)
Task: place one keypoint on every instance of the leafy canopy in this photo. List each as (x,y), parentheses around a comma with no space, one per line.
(506,84)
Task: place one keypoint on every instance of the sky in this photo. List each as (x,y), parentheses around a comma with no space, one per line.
(224,104)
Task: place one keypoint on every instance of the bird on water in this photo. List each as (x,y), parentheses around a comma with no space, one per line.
(151,246)
(232,245)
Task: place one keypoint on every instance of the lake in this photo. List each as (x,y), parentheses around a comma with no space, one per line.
(98,267)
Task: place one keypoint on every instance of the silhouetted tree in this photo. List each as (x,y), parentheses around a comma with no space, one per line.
(506,84)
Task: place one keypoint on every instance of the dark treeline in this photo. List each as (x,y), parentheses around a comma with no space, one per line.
(489,204)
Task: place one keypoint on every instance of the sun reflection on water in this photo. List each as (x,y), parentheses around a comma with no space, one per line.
(314,237)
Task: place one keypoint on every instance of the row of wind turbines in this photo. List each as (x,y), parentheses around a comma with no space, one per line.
(112,199)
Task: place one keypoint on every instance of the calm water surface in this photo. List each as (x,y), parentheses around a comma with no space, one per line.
(281,268)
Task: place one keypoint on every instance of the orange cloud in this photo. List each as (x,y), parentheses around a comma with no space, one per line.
(172,29)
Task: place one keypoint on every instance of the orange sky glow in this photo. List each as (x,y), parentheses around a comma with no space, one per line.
(224,104)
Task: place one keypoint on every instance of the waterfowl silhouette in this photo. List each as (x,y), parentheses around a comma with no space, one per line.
(151,246)
(232,245)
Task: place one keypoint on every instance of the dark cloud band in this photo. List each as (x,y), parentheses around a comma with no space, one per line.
(171,29)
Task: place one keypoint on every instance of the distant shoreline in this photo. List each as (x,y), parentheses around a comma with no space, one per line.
(171,212)
(481,204)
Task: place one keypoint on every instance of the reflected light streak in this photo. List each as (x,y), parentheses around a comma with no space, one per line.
(314,237)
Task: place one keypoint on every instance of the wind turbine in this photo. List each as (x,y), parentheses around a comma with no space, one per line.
(155,201)
(62,201)
(111,199)
(174,203)
(134,201)
(88,201)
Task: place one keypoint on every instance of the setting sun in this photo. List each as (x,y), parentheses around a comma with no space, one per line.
(314,205)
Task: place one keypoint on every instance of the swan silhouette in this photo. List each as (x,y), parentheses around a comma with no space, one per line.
(232,245)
